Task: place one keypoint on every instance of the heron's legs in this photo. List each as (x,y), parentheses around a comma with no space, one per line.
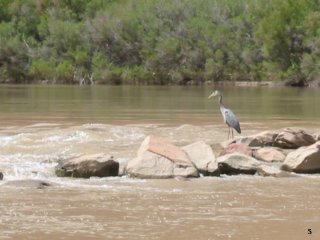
(232,134)
(228,132)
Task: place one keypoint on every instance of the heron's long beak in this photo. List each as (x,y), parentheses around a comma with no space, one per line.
(211,95)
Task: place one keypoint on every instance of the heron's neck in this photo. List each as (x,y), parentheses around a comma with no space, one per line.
(220,102)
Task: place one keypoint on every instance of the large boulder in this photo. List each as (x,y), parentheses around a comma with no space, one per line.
(304,159)
(269,154)
(236,163)
(158,158)
(86,166)
(238,148)
(202,156)
(293,138)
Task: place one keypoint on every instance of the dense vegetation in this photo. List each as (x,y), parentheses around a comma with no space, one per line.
(159,42)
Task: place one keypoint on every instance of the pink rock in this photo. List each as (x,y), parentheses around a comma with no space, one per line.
(164,148)
(269,154)
(158,158)
(238,148)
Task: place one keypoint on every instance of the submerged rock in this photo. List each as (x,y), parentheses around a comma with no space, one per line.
(202,156)
(236,163)
(269,154)
(158,158)
(304,159)
(86,166)
(273,171)
(28,183)
(237,148)
(293,138)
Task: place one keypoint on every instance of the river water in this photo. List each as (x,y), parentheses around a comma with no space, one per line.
(43,124)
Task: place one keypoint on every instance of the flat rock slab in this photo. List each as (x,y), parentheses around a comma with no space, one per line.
(86,166)
(304,159)
(158,158)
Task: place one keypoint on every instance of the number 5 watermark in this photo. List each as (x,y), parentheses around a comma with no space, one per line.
(309,231)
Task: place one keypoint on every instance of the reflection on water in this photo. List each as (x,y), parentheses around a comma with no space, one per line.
(153,104)
(43,124)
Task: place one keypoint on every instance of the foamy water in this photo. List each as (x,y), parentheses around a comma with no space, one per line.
(226,207)
(33,151)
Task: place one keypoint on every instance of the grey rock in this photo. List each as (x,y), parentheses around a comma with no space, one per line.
(303,160)
(86,166)
(202,156)
(236,163)
(293,138)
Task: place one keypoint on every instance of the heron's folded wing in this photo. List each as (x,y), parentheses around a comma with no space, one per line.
(232,120)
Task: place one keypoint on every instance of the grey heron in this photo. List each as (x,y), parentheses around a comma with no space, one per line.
(228,116)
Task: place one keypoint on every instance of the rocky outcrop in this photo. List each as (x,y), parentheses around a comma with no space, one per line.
(293,138)
(304,159)
(158,158)
(28,183)
(86,166)
(236,163)
(202,156)
(269,154)
(237,148)
(1,176)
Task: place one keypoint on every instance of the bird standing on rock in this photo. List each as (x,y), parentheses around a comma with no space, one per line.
(228,116)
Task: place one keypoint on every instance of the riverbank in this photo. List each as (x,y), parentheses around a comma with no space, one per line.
(158,43)
(287,83)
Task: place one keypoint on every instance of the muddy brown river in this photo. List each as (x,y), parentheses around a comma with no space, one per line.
(43,124)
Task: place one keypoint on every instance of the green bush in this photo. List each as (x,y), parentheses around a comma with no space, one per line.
(64,72)
(158,42)
(42,69)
